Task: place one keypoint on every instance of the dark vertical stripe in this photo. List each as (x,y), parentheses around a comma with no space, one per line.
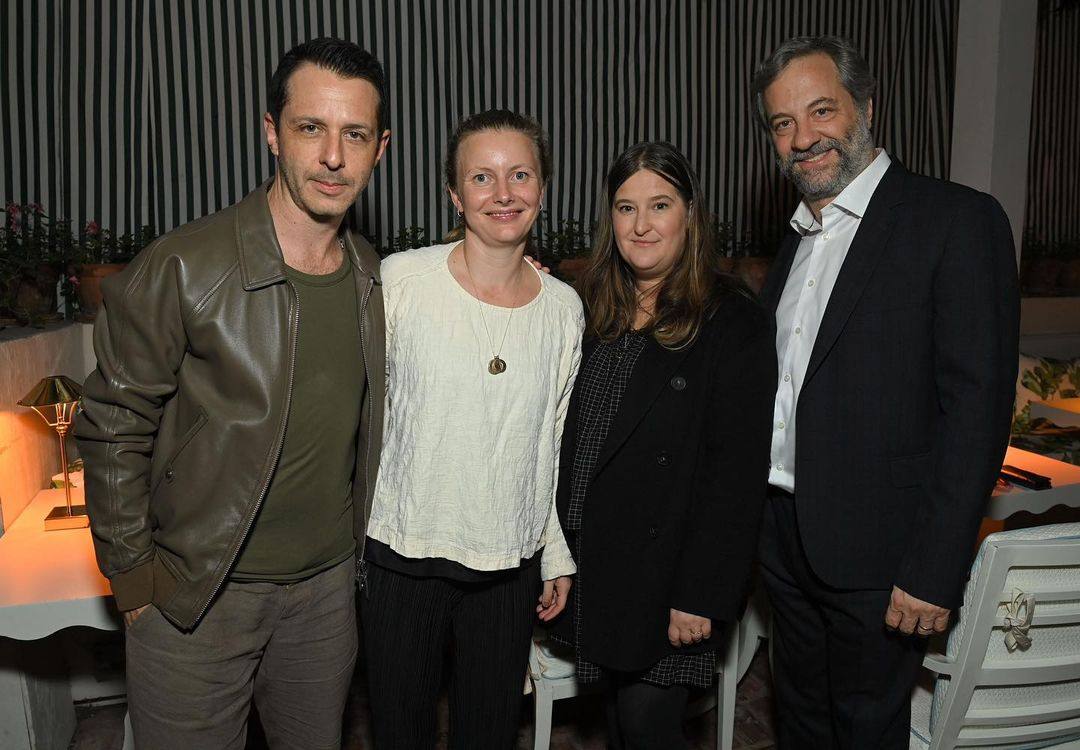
(152,109)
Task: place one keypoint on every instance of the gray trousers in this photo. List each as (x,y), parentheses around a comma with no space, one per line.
(289,647)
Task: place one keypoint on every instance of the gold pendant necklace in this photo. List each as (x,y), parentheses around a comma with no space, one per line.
(496,365)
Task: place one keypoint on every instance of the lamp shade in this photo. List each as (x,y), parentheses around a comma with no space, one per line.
(55,389)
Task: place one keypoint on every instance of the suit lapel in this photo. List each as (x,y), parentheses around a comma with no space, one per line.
(652,373)
(866,250)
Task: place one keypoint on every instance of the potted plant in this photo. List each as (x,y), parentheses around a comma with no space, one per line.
(409,238)
(28,265)
(98,255)
(566,248)
(746,256)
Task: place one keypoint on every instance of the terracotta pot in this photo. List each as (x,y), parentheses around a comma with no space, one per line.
(570,268)
(1070,275)
(753,270)
(1042,275)
(90,278)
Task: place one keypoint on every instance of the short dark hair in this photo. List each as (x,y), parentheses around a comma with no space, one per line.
(497,119)
(336,55)
(854,73)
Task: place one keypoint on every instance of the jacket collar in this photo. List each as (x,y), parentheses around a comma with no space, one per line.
(261,260)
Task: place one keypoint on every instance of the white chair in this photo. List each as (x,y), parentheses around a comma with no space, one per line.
(551,670)
(988,695)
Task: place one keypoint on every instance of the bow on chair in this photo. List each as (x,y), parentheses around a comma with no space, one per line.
(1017,620)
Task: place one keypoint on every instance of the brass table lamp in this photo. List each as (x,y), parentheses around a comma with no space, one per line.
(56,399)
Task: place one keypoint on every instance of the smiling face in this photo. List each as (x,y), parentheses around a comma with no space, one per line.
(649,220)
(499,186)
(326,140)
(822,138)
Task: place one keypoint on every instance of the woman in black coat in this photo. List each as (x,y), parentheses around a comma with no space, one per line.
(664,462)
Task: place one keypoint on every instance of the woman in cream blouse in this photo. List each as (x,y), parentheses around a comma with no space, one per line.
(464,542)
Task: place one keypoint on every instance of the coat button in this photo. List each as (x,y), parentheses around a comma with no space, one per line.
(652,532)
(678,382)
(169,475)
(663,458)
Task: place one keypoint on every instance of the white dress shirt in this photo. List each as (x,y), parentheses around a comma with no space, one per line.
(818,259)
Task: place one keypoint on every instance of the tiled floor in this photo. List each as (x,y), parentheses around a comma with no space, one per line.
(578,723)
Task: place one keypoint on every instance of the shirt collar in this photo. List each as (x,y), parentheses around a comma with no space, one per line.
(853,199)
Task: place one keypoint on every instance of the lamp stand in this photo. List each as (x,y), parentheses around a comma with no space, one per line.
(71,516)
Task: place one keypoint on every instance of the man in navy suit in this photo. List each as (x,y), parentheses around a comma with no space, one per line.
(897,316)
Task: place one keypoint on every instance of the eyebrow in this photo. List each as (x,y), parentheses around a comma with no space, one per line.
(492,169)
(816,103)
(320,121)
(652,198)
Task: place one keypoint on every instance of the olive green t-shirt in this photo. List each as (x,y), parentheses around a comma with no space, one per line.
(305,524)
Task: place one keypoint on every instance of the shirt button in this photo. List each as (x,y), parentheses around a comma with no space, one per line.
(825,236)
(798,329)
(810,282)
(779,467)
(780,425)
(787,377)
(662,458)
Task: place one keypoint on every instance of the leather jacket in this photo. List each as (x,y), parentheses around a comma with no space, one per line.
(184,418)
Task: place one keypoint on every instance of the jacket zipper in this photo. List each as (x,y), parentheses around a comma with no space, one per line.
(294,329)
(361,568)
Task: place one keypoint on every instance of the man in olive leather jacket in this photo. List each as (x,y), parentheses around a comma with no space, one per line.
(231,431)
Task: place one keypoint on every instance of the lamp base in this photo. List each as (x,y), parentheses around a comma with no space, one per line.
(58,518)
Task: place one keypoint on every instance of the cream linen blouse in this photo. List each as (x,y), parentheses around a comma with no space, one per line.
(470,460)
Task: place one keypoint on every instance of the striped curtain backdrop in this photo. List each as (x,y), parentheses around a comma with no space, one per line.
(1052,216)
(149,111)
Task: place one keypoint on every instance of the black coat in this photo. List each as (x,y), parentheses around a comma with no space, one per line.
(904,413)
(671,514)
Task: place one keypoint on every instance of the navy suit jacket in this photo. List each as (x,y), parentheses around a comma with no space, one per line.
(904,414)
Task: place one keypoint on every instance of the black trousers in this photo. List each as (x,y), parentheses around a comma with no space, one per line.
(407,623)
(642,716)
(841,678)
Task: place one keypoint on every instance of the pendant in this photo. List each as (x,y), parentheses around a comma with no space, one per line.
(496,366)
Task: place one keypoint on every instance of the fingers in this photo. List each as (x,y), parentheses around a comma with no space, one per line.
(941,622)
(908,623)
(553,598)
(910,615)
(685,629)
(893,616)
(548,594)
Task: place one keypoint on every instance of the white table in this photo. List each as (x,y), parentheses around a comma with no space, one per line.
(1064,489)
(49,581)
(1064,412)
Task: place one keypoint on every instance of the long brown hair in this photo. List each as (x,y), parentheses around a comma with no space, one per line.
(690,292)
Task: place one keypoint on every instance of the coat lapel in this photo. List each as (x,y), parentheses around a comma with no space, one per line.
(867,249)
(652,373)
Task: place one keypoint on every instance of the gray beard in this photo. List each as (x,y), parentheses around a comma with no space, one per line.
(854,152)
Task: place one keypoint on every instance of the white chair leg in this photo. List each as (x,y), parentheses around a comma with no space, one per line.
(129,739)
(725,692)
(542,701)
